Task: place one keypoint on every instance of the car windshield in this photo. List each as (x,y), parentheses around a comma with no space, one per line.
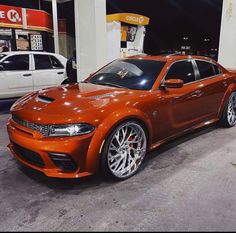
(2,56)
(129,73)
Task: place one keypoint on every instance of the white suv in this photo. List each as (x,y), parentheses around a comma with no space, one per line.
(24,72)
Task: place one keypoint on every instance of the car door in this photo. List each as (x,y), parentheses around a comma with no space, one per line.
(15,76)
(213,86)
(47,71)
(59,68)
(180,108)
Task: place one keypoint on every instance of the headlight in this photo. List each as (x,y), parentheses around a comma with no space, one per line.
(70,130)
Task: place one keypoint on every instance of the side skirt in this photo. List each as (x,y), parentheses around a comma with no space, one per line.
(198,126)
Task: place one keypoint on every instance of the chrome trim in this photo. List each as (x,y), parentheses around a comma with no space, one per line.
(42,129)
(126,150)
(231,111)
(186,59)
(213,63)
(197,71)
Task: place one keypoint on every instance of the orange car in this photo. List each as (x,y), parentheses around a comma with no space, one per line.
(110,120)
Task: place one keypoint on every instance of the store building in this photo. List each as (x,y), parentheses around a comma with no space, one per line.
(23,29)
(59,36)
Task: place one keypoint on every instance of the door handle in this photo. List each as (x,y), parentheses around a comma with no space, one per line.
(27,75)
(196,94)
(60,72)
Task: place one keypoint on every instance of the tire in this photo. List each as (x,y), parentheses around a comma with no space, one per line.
(229,115)
(124,151)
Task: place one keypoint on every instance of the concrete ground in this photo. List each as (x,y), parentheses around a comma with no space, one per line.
(186,185)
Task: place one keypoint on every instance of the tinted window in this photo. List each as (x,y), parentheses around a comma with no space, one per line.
(205,69)
(129,73)
(182,70)
(56,63)
(16,62)
(217,69)
(42,62)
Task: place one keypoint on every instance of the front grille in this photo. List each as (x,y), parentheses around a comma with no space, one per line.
(28,155)
(43,129)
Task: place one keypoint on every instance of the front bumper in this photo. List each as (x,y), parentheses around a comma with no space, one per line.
(26,140)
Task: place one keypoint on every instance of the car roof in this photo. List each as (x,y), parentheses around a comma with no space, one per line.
(27,52)
(169,57)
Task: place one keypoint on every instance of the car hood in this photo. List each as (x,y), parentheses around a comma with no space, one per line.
(65,103)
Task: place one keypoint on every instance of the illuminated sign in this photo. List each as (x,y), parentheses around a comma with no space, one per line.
(129,18)
(16,17)
(135,19)
(10,15)
(13,16)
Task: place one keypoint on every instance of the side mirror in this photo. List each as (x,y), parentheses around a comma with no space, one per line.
(173,83)
(1,68)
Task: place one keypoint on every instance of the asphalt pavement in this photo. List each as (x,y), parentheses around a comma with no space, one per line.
(186,185)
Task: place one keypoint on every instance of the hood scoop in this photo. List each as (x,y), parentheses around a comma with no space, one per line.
(44,99)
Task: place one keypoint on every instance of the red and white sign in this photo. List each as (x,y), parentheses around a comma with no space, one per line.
(16,17)
(10,15)
(13,16)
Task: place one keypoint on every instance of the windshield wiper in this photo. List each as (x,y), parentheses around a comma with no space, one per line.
(110,84)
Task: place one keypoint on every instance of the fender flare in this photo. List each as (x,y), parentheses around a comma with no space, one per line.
(229,91)
(106,127)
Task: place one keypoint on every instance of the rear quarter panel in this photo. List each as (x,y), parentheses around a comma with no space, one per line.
(230,77)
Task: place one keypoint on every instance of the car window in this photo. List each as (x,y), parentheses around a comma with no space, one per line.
(182,70)
(129,73)
(217,69)
(42,62)
(206,69)
(16,62)
(56,63)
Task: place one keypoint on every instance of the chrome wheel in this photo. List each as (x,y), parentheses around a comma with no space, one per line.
(127,150)
(231,113)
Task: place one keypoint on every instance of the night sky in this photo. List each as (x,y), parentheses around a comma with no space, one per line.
(171,20)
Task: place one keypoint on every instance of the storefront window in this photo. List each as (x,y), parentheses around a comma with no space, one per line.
(5,40)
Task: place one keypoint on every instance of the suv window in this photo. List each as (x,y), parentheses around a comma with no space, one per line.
(182,70)
(56,63)
(42,62)
(16,63)
(206,69)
